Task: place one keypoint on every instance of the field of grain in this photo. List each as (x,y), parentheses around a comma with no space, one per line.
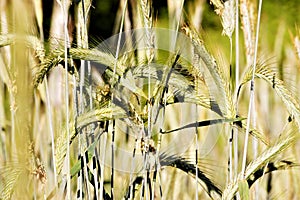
(147,99)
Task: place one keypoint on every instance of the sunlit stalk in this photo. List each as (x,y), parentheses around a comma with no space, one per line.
(112,99)
(49,115)
(230,142)
(255,151)
(64,7)
(251,91)
(237,72)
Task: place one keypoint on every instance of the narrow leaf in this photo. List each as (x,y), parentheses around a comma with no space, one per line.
(89,152)
(244,189)
(204,123)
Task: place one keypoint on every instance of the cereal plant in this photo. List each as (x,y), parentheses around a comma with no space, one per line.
(177,100)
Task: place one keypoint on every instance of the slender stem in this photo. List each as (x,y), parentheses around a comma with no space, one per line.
(251,90)
(85,167)
(255,152)
(237,48)
(112,99)
(131,170)
(230,156)
(157,167)
(196,153)
(112,160)
(149,109)
(84,174)
(49,115)
(81,85)
(196,61)
(237,71)
(231,132)
(66,46)
(247,129)
(79,179)
(178,18)
(103,145)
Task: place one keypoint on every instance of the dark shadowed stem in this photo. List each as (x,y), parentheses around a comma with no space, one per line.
(230,164)
(149,183)
(85,161)
(112,159)
(269,187)
(85,65)
(196,154)
(67,47)
(112,100)
(255,152)
(77,109)
(84,72)
(248,128)
(146,169)
(83,132)
(196,62)
(79,180)
(230,142)
(83,174)
(131,192)
(102,146)
(157,168)
(93,126)
(80,109)
(94,164)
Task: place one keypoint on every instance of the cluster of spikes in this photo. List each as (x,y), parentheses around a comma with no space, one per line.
(120,97)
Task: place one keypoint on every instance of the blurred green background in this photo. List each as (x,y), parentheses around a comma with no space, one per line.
(103,16)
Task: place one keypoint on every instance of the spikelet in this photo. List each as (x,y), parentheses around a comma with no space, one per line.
(291,103)
(216,72)
(146,12)
(247,20)
(30,42)
(56,56)
(219,6)
(228,18)
(226,11)
(147,24)
(297,44)
(12,175)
